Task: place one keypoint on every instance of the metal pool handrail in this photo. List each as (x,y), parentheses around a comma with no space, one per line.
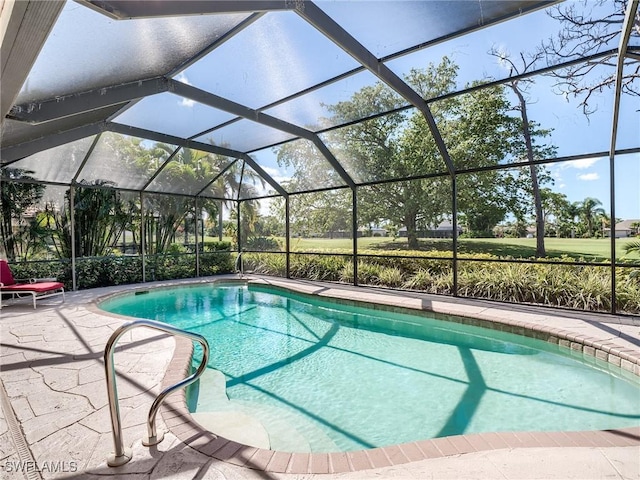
(122,455)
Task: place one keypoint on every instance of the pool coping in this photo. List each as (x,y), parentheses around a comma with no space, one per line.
(179,421)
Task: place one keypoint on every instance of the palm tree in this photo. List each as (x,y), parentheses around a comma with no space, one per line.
(632,247)
(589,213)
(165,213)
(189,168)
(99,220)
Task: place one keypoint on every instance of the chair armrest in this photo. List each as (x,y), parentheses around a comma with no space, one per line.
(47,279)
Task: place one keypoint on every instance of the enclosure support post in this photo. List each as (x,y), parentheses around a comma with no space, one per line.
(197,216)
(287,238)
(354,229)
(454,221)
(220,219)
(612,229)
(238,235)
(627,28)
(142,238)
(72,211)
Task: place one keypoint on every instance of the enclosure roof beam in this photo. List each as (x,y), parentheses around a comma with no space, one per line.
(332,30)
(205,147)
(201,54)
(73,104)
(627,28)
(260,171)
(160,168)
(127,9)
(170,139)
(206,98)
(17,152)
(216,177)
(84,161)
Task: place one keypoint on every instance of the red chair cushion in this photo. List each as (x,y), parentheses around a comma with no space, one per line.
(41,287)
(6,277)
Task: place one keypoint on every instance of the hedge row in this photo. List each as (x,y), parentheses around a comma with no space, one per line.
(582,287)
(121,270)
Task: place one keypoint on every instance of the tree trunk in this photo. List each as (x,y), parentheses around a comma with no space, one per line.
(535,187)
(412,237)
(7,234)
(220,222)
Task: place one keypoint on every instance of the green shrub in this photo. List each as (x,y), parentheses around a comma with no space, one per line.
(217,246)
(216,262)
(58,269)
(391,277)
(317,267)
(421,280)
(96,272)
(369,273)
(346,274)
(264,244)
(170,267)
(265,263)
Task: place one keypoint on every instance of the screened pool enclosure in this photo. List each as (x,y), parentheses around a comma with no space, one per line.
(472,148)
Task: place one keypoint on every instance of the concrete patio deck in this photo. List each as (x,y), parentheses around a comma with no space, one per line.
(55,418)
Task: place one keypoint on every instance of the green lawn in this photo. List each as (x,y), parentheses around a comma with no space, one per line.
(587,248)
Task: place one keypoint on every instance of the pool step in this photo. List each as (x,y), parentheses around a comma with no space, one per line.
(235,425)
(253,423)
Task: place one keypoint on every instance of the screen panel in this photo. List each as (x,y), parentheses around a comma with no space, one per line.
(188,172)
(88,50)
(124,162)
(276,56)
(385,28)
(58,164)
(245,136)
(173,115)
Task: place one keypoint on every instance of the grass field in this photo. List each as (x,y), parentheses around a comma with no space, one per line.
(586,248)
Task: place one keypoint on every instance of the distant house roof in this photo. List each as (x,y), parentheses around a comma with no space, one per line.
(445,225)
(626,224)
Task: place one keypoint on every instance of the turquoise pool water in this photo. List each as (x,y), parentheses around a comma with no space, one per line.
(337,377)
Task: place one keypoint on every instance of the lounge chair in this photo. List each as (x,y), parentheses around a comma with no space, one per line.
(38,289)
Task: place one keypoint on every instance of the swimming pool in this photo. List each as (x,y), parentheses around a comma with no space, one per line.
(326,377)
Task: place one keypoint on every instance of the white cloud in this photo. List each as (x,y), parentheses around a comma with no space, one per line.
(186,102)
(181,77)
(581,164)
(276,175)
(556,174)
(589,177)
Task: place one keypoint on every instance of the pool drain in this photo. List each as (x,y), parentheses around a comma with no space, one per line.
(22,449)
